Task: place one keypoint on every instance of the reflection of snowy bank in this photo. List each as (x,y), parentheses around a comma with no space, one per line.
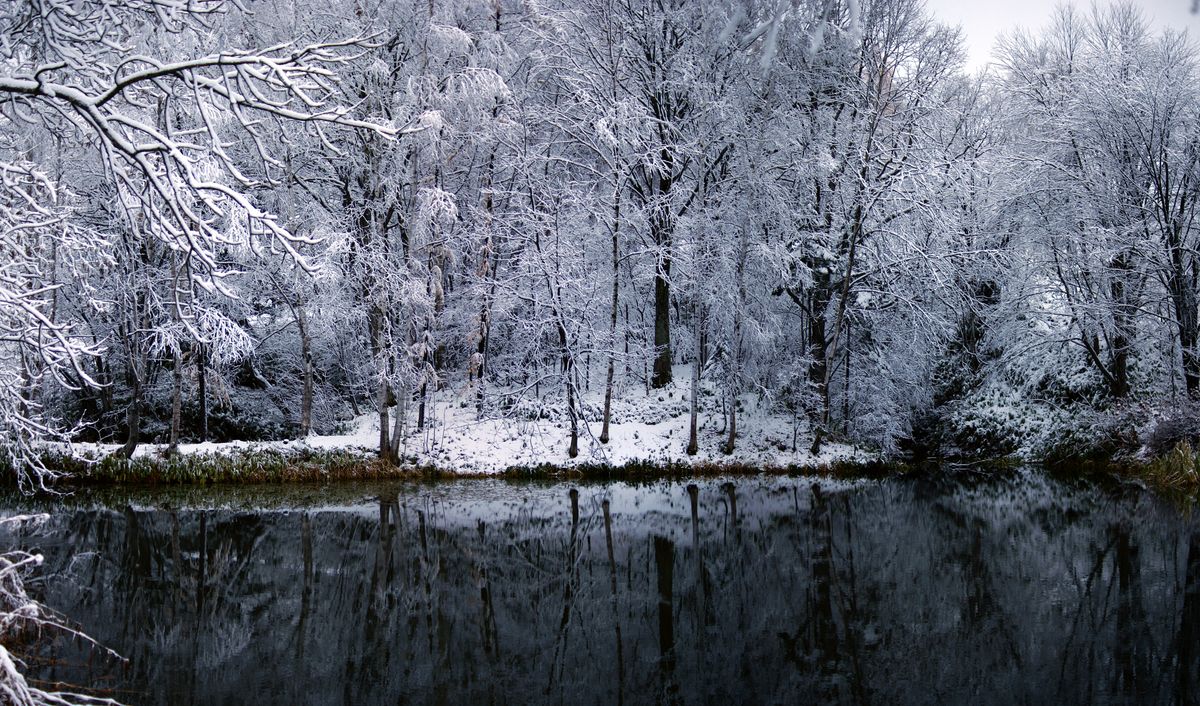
(455,592)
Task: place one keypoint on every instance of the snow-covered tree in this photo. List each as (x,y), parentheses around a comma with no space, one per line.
(135,88)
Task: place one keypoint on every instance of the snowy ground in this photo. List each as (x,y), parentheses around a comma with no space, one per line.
(644,427)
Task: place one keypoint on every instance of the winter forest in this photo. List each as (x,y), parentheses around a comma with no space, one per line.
(806,358)
(259,221)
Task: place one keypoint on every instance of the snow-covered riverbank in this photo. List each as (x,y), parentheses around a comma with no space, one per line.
(646,427)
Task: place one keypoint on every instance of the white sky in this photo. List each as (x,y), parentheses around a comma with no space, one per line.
(983,21)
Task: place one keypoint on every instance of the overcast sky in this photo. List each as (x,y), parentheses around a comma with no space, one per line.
(984,20)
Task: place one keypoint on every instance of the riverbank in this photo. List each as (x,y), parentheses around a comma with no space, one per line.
(274,466)
(1176,473)
(648,437)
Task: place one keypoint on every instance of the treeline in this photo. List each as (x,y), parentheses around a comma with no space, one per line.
(548,204)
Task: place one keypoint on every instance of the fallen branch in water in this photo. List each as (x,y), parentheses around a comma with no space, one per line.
(19,615)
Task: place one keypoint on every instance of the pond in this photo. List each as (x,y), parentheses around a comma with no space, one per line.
(951,588)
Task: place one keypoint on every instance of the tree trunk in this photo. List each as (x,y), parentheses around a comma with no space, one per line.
(133,416)
(693,431)
(735,344)
(202,393)
(840,321)
(846,382)
(1124,313)
(818,346)
(1186,315)
(732,440)
(1183,298)
(487,268)
(612,321)
(176,403)
(568,370)
(385,446)
(485,315)
(398,427)
(421,408)
(662,324)
(306,398)
(662,231)
(608,394)
(375,324)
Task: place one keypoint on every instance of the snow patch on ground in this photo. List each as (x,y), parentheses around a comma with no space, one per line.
(646,426)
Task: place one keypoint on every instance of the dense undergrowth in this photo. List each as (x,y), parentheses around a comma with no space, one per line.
(1159,447)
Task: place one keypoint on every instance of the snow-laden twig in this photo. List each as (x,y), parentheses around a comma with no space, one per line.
(21,615)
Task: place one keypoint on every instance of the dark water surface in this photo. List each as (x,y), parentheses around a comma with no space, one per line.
(957,590)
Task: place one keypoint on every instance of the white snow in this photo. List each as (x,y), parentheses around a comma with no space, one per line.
(645,427)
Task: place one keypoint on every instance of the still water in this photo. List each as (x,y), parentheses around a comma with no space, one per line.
(955,589)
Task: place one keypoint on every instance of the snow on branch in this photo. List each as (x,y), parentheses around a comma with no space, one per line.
(34,346)
(20,614)
(182,143)
(163,129)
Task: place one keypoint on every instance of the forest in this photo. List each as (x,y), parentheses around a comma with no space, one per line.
(227,220)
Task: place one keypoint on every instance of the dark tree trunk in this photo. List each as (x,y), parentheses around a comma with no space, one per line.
(1123,327)
(485,326)
(1185,314)
(133,418)
(662,324)
(487,266)
(385,445)
(176,403)
(732,438)
(818,346)
(306,354)
(202,392)
(735,344)
(693,432)
(421,407)
(375,324)
(1183,299)
(1118,366)
(612,322)
(398,425)
(568,370)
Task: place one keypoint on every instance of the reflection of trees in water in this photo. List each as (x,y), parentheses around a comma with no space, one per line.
(1012,590)
(1187,645)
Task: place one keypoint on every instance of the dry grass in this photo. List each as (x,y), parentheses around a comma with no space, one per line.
(246,467)
(274,466)
(1177,470)
(653,470)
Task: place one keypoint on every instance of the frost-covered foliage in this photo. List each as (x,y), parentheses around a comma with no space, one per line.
(36,348)
(222,222)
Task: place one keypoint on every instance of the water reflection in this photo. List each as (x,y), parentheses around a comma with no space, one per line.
(1013,590)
